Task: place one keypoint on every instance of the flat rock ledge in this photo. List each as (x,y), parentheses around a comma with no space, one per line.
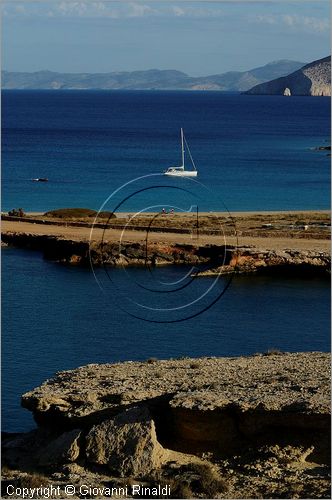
(245,427)
(271,382)
(208,259)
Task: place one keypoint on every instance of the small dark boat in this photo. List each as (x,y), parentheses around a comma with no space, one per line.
(40,179)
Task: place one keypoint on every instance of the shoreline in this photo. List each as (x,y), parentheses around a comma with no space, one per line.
(289,243)
(186,421)
(238,213)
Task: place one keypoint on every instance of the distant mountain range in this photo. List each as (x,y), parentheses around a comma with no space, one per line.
(312,79)
(153,79)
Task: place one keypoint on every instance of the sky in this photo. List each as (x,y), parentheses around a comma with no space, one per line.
(201,37)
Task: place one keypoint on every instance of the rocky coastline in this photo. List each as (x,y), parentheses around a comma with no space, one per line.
(214,259)
(247,427)
(313,79)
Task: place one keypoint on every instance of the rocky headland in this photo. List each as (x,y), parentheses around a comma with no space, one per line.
(294,243)
(209,259)
(313,79)
(248,427)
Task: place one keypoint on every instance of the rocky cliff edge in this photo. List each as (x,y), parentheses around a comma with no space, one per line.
(248,427)
(314,79)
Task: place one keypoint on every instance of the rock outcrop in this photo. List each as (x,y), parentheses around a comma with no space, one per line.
(213,259)
(127,444)
(210,428)
(62,449)
(314,79)
(239,396)
(273,262)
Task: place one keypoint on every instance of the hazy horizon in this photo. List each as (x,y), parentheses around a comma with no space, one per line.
(198,38)
(147,69)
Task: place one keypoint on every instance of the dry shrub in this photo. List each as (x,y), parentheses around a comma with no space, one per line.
(105,215)
(151,360)
(209,481)
(190,481)
(179,489)
(79,213)
(34,480)
(195,364)
(30,480)
(69,213)
(272,352)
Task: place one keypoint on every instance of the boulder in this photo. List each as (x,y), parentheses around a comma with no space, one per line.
(63,449)
(17,449)
(42,447)
(127,444)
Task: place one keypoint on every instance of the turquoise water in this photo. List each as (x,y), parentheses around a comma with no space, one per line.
(252,152)
(57,317)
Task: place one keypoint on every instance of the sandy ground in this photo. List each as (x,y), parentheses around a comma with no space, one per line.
(82,233)
(235,214)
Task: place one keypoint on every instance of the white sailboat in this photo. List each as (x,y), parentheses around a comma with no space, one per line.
(181,171)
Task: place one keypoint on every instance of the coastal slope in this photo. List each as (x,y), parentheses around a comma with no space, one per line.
(314,79)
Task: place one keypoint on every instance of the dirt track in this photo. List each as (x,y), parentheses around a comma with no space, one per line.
(284,241)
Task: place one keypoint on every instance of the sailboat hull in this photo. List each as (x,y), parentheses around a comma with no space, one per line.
(188,173)
(180,171)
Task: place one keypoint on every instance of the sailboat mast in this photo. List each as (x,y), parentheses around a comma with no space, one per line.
(182,147)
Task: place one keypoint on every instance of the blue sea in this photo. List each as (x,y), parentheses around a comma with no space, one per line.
(252,153)
(56,317)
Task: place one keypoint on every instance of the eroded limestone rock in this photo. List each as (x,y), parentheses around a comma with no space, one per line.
(127,444)
(62,449)
(42,448)
(261,421)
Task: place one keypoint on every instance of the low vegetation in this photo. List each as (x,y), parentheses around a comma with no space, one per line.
(28,480)
(16,212)
(151,360)
(78,213)
(273,351)
(193,480)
